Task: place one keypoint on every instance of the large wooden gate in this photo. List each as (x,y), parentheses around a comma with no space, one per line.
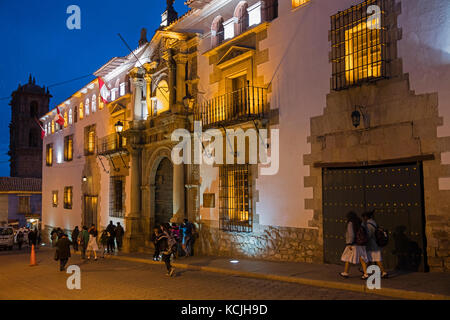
(164,192)
(395,192)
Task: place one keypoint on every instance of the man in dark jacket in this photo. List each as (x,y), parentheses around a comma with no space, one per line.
(111,229)
(32,238)
(119,236)
(75,234)
(63,251)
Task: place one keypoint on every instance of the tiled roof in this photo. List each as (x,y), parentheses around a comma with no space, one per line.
(20,184)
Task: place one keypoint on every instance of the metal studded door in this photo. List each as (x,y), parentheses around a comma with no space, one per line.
(395,193)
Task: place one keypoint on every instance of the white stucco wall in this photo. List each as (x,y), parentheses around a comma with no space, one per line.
(70,173)
(299,71)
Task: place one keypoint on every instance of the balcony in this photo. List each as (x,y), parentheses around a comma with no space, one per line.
(111,144)
(245,104)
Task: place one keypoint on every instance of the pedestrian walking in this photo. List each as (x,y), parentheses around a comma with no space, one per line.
(75,234)
(155,238)
(372,248)
(92,244)
(111,229)
(168,247)
(119,236)
(63,251)
(25,237)
(32,238)
(54,237)
(20,239)
(83,240)
(187,237)
(355,249)
(103,242)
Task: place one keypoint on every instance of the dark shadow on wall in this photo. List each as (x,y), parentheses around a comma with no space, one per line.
(407,252)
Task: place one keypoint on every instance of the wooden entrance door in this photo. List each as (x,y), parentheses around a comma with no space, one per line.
(164,192)
(395,193)
(90,210)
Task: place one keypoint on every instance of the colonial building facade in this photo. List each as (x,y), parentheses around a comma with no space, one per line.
(350,96)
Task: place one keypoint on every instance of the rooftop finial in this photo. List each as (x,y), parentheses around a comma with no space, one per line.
(29,78)
(34,80)
(143,39)
(170,15)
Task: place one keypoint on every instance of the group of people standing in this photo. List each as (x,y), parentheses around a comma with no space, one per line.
(173,240)
(362,244)
(86,241)
(28,237)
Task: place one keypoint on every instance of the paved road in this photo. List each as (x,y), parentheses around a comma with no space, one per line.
(114,279)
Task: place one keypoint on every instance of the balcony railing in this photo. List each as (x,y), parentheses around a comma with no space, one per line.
(111,144)
(238,106)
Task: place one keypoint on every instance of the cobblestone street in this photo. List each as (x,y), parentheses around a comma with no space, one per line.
(114,279)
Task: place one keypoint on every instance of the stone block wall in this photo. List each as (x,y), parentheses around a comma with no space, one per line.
(265,243)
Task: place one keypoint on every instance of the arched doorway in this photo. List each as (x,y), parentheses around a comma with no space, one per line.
(164,192)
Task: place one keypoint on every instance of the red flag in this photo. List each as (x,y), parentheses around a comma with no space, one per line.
(42,129)
(104,91)
(59,119)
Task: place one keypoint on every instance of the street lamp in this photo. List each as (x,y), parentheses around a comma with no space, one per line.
(356,118)
(188,101)
(119,127)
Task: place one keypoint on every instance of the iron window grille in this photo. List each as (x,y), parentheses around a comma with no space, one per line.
(359,44)
(68,148)
(117,197)
(68,197)
(235,198)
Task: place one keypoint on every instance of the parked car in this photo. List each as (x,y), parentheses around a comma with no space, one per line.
(7,237)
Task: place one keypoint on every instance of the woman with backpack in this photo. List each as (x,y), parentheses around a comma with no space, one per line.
(372,248)
(168,247)
(355,250)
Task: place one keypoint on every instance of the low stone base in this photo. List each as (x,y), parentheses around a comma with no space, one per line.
(267,243)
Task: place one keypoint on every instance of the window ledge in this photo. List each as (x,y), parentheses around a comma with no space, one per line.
(301,6)
(224,44)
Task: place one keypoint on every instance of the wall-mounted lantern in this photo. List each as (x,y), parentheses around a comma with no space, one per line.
(119,127)
(356,117)
(84,178)
(188,102)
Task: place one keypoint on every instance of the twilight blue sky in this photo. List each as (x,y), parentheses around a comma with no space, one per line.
(35,39)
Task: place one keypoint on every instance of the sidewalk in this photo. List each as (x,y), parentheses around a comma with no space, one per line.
(423,286)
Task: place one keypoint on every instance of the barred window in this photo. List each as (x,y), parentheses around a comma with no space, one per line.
(68,148)
(117,197)
(235,198)
(24,204)
(89,140)
(55,198)
(68,196)
(49,155)
(358,45)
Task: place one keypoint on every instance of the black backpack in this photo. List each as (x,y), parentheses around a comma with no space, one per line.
(361,237)
(381,236)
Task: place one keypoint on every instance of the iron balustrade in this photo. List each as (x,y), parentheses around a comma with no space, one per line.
(112,143)
(237,106)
